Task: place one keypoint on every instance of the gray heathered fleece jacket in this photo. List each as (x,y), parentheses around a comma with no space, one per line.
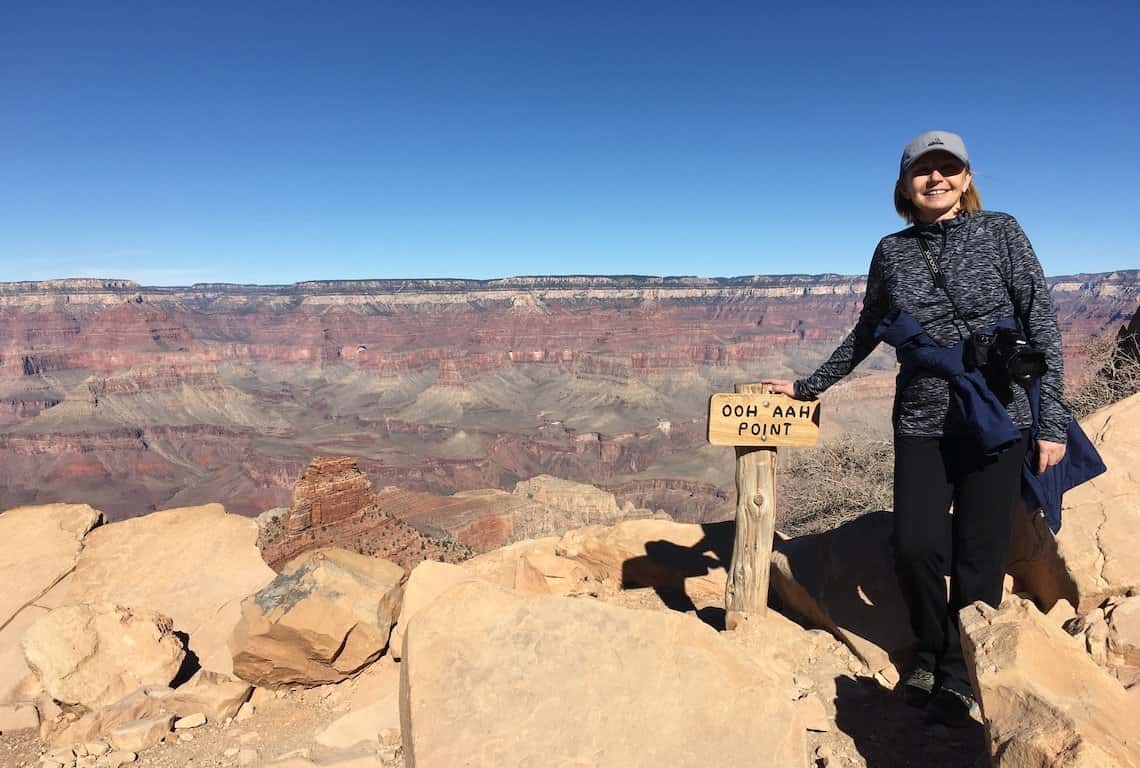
(992,272)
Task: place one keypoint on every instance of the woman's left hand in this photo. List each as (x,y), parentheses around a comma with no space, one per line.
(1048,454)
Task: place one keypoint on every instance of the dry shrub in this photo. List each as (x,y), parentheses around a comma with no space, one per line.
(1116,360)
(820,488)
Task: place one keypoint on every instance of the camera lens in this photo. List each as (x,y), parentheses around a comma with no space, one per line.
(1025,365)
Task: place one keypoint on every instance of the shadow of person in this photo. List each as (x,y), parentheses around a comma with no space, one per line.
(666,567)
(844,578)
(889,733)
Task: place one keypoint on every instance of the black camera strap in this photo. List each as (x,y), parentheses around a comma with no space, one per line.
(940,280)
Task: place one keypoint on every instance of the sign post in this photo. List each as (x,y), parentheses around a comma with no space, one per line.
(756,421)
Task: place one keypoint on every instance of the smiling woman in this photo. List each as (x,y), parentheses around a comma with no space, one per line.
(958,274)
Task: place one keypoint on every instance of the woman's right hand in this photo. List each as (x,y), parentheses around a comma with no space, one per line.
(781,386)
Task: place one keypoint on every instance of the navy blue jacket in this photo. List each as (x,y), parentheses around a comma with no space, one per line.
(980,411)
(1081,462)
(986,418)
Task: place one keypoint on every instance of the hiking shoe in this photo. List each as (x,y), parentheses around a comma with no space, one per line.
(918,686)
(952,709)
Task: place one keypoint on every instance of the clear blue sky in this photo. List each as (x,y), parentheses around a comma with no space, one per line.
(281,141)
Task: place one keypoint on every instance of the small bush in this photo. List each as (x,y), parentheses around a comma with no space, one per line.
(1116,360)
(820,488)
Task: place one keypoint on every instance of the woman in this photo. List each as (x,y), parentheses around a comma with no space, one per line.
(988,273)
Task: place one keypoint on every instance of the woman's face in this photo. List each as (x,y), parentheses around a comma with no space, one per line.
(935,183)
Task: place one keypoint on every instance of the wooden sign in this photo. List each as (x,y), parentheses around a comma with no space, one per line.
(762,420)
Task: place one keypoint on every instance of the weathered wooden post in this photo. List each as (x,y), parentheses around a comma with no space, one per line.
(756,421)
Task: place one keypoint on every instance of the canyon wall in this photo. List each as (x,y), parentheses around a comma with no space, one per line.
(136,397)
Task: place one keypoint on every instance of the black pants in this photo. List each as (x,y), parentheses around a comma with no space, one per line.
(971,545)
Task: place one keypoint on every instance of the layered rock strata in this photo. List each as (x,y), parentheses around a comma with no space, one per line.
(181,396)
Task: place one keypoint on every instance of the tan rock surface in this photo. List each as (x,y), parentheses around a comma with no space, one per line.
(532,567)
(1093,557)
(93,655)
(199,564)
(324,618)
(137,735)
(493,678)
(840,580)
(362,725)
(41,544)
(1124,631)
(15,674)
(215,695)
(18,717)
(335,761)
(427,581)
(140,704)
(1045,702)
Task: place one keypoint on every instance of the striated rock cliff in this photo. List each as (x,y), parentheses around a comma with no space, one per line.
(136,397)
(331,490)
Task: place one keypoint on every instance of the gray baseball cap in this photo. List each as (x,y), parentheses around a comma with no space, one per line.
(929,142)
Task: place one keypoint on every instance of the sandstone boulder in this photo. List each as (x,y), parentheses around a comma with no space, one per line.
(206,693)
(215,695)
(492,678)
(41,545)
(532,567)
(1044,700)
(1092,558)
(199,563)
(98,723)
(323,619)
(426,582)
(137,735)
(93,655)
(1124,631)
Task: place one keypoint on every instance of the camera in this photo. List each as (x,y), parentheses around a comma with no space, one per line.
(1008,351)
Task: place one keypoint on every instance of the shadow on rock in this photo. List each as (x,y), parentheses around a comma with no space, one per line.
(841,580)
(666,566)
(844,580)
(889,733)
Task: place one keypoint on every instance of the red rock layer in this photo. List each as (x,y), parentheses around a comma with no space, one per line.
(116,339)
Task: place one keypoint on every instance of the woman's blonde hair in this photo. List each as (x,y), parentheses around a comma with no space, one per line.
(971,201)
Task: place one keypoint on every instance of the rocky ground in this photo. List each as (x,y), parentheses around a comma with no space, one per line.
(283,727)
(603,646)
